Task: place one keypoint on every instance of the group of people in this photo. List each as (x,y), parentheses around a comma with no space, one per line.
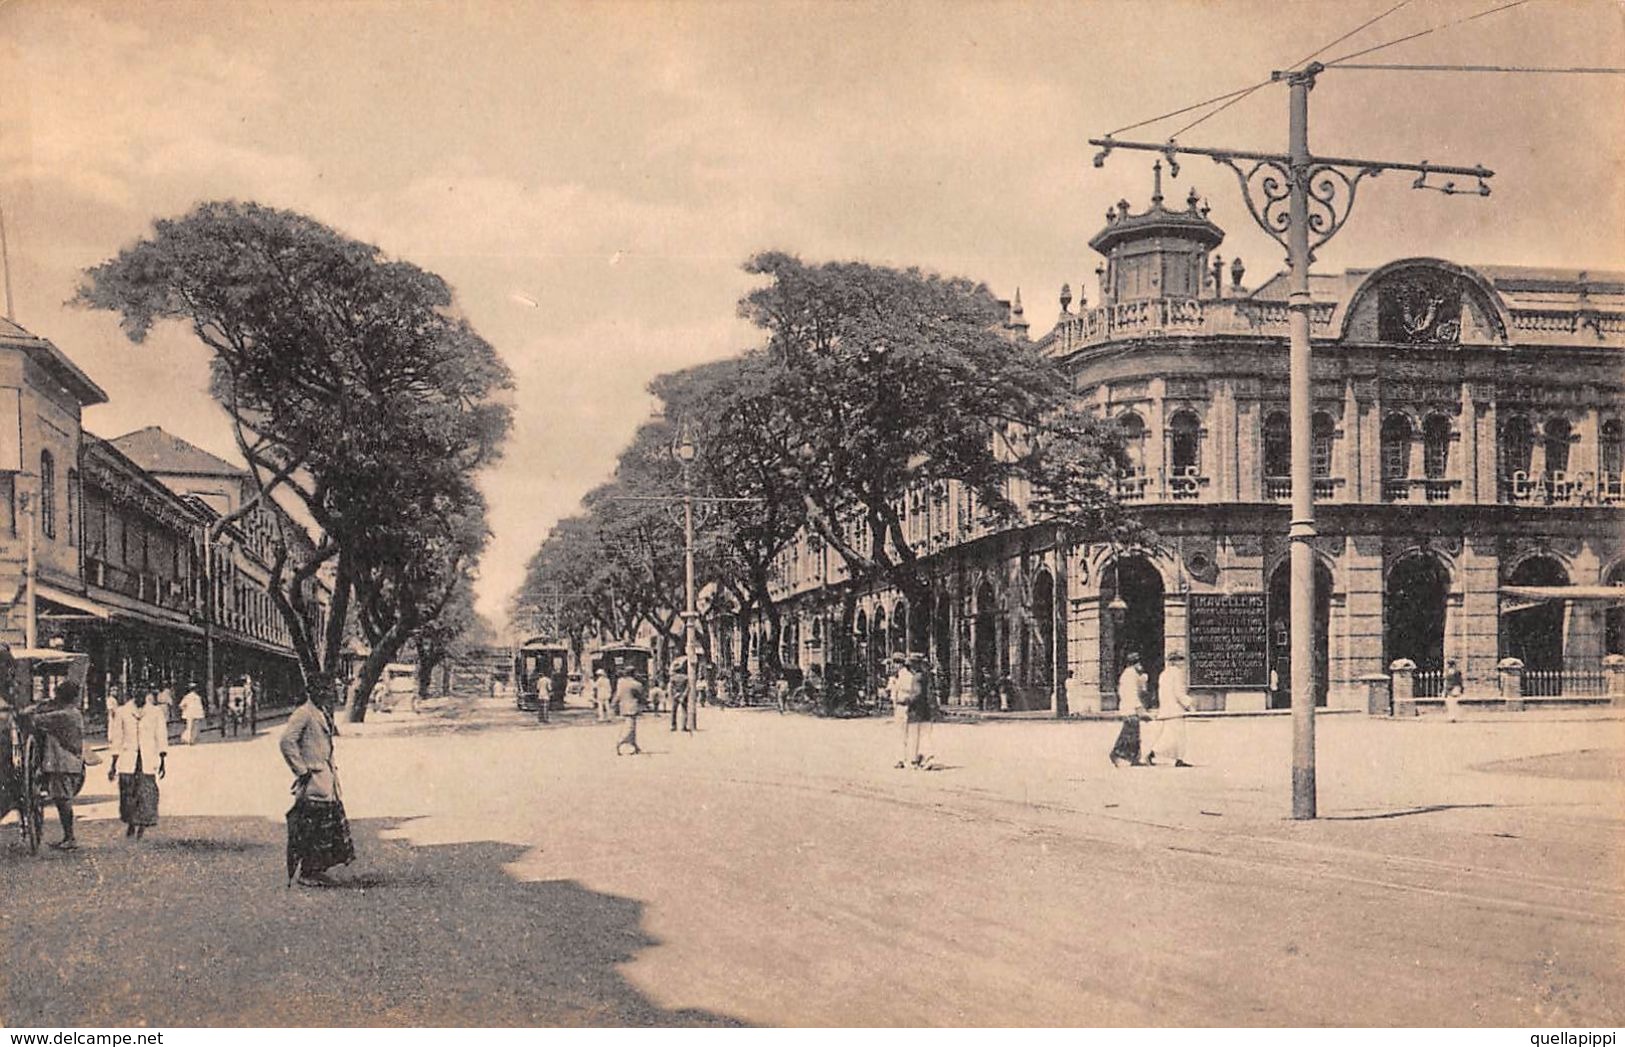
(1167,735)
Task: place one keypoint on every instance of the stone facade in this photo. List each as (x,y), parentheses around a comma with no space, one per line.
(1467,438)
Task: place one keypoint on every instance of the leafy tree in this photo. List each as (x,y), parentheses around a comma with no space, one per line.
(353,387)
(449,638)
(742,435)
(892,381)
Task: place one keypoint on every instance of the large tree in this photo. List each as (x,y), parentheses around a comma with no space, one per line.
(889,382)
(732,411)
(353,387)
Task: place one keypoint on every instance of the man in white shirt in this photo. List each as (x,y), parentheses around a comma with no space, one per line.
(1130,703)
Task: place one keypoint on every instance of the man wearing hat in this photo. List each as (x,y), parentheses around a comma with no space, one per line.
(1130,703)
(62,767)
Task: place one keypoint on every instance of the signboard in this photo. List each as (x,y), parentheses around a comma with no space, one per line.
(1229,640)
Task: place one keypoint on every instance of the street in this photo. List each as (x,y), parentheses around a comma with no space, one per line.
(777,870)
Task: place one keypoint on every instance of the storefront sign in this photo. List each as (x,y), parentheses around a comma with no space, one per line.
(1229,640)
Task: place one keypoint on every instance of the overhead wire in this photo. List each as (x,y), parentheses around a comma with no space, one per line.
(1487,68)
(1241,97)
(1234,97)
(1425,32)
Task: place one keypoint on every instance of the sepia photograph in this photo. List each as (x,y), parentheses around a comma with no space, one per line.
(812,514)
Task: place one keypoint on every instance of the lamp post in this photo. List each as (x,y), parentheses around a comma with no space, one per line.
(685,451)
(1301,200)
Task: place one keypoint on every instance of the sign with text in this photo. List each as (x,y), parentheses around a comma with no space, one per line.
(1229,640)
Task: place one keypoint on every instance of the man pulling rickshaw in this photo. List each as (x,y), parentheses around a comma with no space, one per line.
(41,742)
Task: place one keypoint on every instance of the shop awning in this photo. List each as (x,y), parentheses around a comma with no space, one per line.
(71,605)
(1523,597)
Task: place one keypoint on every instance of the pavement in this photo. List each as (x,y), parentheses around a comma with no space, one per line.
(777,870)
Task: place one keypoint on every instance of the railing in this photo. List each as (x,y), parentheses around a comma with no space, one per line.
(1405,488)
(1181,315)
(1277,488)
(1428,683)
(1564,683)
(1133,487)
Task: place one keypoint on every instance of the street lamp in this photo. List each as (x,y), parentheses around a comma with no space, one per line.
(684,450)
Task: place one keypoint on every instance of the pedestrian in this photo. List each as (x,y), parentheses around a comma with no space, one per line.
(318,832)
(166,702)
(1173,705)
(62,766)
(781,694)
(657,698)
(903,690)
(1453,689)
(1130,696)
(544,696)
(629,700)
(192,713)
(139,740)
(603,692)
(679,694)
(113,701)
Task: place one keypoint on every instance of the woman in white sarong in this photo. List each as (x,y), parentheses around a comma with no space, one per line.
(1173,703)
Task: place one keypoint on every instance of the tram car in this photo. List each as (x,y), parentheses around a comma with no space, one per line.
(538,658)
(618,660)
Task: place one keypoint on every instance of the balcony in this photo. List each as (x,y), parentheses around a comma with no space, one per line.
(1430,489)
(1277,488)
(1133,487)
(172,593)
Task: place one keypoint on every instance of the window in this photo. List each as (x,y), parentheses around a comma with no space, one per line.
(1322,430)
(1133,431)
(47,494)
(1185,444)
(8,502)
(1517,446)
(1613,449)
(1436,447)
(1396,447)
(1277,445)
(73,506)
(1557,446)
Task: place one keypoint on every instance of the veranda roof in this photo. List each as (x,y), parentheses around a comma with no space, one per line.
(1523,597)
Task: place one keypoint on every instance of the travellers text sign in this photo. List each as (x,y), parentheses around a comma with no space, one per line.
(1229,640)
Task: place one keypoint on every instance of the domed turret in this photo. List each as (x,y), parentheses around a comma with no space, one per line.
(1158,253)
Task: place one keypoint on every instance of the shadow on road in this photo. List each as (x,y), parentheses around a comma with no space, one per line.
(1405,812)
(194,927)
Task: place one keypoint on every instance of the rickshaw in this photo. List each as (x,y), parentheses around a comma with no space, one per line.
(27,676)
(537,658)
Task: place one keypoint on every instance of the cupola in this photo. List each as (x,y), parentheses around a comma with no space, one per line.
(1158,253)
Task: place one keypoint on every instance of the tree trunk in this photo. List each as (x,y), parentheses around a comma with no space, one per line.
(844,666)
(383,652)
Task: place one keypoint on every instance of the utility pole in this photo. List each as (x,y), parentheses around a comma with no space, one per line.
(30,573)
(1301,201)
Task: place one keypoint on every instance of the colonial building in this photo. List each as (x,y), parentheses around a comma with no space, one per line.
(119,531)
(1469,469)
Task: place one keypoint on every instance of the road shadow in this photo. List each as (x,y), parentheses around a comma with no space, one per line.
(1405,812)
(194,926)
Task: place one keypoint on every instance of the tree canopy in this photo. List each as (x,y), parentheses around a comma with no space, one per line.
(353,386)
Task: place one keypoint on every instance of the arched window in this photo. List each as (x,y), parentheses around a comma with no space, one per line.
(1133,430)
(1322,429)
(1557,446)
(1277,445)
(1436,447)
(47,494)
(1517,446)
(1185,444)
(1396,447)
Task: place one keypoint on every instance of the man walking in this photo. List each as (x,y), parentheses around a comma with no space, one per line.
(1173,704)
(629,699)
(1130,703)
(603,692)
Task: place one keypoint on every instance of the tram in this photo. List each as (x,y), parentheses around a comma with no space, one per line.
(620,659)
(536,658)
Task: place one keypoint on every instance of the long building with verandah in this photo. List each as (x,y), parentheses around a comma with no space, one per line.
(1469,470)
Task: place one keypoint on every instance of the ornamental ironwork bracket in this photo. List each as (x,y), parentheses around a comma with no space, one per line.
(1330,183)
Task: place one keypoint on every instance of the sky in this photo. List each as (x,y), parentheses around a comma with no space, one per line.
(589,177)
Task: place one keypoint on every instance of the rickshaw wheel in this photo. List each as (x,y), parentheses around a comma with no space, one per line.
(30,807)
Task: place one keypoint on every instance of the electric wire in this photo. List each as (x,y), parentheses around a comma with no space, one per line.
(1185,109)
(1242,95)
(1489,68)
(1424,32)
